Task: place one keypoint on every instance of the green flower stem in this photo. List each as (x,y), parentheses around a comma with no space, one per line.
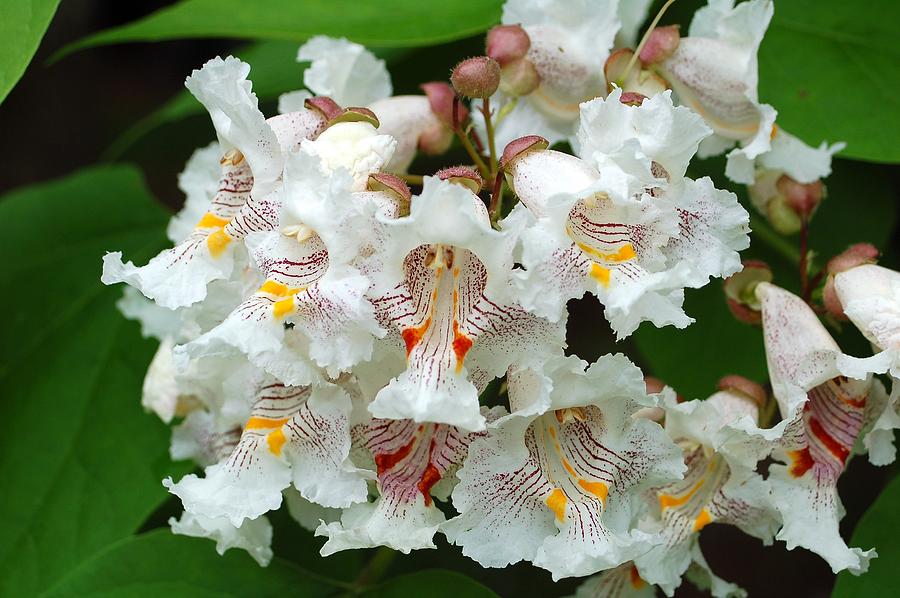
(375,569)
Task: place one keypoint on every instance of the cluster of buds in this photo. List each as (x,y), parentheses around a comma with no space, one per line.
(329,338)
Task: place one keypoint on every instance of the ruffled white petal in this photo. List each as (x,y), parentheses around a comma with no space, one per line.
(253,535)
(344,71)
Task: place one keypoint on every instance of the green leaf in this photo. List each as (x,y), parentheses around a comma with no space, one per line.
(23,25)
(159,563)
(386,23)
(879,528)
(274,70)
(694,359)
(434,583)
(81,462)
(832,70)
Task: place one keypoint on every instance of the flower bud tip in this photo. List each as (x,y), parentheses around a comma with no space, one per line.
(477,77)
(520,146)
(382,181)
(324,105)
(506,43)
(661,44)
(462,175)
(440,96)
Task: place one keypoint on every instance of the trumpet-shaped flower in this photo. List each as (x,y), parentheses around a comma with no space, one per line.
(251,166)
(826,399)
(414,463)
(623,223)
(311,311)
(559,481)
(293,435)
(721,446)
(442,291)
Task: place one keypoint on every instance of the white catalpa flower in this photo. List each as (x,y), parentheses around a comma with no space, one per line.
(722,446)
(414,464)
(253,535)
(714,72)
(311,311)
(870,297)
(294,435)
(251,167)
(623,223)
(442,291)
(826,399)
(559,481)
(569,43)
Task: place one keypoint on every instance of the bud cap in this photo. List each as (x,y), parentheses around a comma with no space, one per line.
(517,147)
(506,43)
(477,77)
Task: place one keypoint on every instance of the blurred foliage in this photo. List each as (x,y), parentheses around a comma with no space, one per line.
(386,23)
(22,25)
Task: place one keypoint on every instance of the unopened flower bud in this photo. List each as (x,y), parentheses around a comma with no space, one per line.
(389,183)
(477,77)
(802,198)
(519,77)
(440,96)
(661,44)
(506,43)
(324,105)
(740,291)
(853,256)
(518,147)
(654,385)
(462,175)
(748,388)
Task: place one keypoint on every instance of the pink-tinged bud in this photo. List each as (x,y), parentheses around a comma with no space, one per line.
(389,183)
(800,197)
(324,105)
(477,77)
(355,114)
(440,96)
(518,147)
(661,44)
(752,390)
(519,77)
(853,256)
(435,140)
(632,98)
(740,291)
(462,175)
(506,43)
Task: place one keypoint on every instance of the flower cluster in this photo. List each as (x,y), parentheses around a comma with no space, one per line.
(335,342)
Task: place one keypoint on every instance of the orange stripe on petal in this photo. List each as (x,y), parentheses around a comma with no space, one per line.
(834,447)
(801,462)
(412,335)
(264,423)
(557,503)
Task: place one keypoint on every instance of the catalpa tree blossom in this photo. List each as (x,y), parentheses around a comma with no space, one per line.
(384,354)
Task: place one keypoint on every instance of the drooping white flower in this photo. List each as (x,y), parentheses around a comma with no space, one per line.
(442,292)
(251,166)
(824,398)
(623,223)
(722,446)
(559,481)
(570,42)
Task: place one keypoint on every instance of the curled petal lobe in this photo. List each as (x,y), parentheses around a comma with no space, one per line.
(344,71)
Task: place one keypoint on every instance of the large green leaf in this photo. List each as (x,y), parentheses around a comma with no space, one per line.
(434,583)
(386,23)
(861,206)
(159,563)
(832,69)
(22,26)
(878,528)
(81,463)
